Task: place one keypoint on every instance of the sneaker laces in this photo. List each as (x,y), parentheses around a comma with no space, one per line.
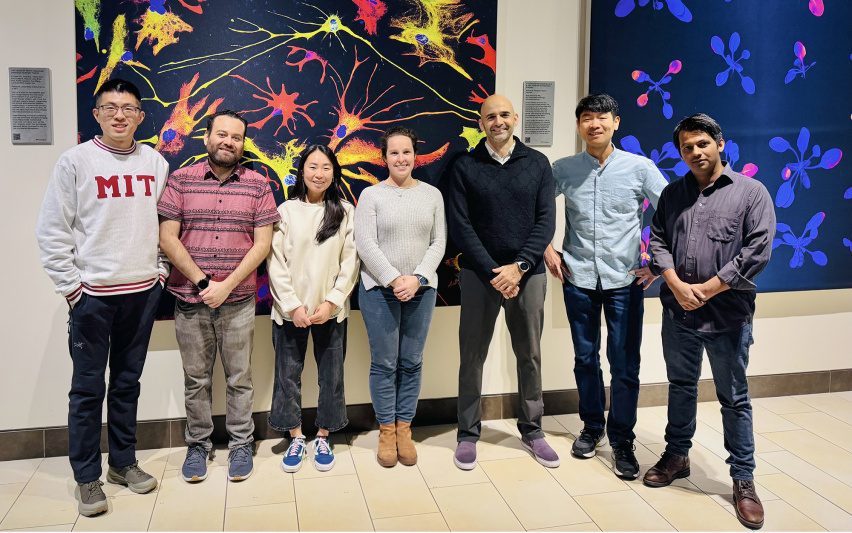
(240,453)
(136,470)
(196,454)
(746,488)
(322,446)
(296,446)
(94,487)
(624,451)
(586,435)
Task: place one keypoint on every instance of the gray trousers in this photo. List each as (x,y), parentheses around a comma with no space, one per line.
(201,333)
(480,305)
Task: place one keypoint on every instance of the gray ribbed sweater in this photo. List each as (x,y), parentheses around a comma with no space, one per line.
(400,232)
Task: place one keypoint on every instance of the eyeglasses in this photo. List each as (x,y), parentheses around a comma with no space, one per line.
(127,110)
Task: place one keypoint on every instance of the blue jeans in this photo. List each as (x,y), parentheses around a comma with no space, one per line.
(291,344)
(623,309)
(728,355)
(397,332)
(107,331)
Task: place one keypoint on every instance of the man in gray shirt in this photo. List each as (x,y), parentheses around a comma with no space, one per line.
(710,238)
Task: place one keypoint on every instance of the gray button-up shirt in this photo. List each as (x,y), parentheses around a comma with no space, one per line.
(726,230)
(603,214)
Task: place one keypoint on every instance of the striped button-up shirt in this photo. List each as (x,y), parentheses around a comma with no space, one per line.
(217,223)
(603,214)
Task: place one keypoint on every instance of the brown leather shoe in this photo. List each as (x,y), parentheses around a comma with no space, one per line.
(748,506)
(405,448)
(669,468)
(386,455)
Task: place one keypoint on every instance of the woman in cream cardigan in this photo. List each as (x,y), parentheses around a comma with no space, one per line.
(313,267)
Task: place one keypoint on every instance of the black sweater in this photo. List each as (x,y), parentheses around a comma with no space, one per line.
(500,214)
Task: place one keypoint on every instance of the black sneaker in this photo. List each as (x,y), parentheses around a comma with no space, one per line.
(624,463)
(588,441)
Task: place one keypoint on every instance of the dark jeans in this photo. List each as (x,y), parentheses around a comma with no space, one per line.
(728,355)
(480,305)
(397,332)
(291,344)
(623,309)
(201,333)
(102,330)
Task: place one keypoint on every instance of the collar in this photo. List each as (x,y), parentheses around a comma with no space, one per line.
(725,178)
(594,160)
(235,175)
(493,153)
(117,151)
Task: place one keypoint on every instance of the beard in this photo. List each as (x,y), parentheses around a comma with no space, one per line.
(224,160)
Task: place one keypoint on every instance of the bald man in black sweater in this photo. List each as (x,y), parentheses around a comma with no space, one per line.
(502,216)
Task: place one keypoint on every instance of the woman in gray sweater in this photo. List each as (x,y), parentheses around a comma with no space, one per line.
(400,235)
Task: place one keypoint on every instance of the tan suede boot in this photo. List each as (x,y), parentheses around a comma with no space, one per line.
(405,448)
(386,455)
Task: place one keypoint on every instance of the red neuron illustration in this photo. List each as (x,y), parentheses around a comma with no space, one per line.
(490,57)
(309,56)
(182,121)
(283,105)
(194,8)
(370,11)
(477,98)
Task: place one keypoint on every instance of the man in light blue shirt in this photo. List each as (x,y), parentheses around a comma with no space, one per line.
(605,189)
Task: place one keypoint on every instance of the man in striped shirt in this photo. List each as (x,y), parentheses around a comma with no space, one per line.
(97,231)
(216,221)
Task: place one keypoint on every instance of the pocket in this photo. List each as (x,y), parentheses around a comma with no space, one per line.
(723,227)
(622,201)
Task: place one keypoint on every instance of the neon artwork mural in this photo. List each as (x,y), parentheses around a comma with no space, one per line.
(656,86)
(796,173)
(800,68)
(332,72)
(734,65)
(676,8)
(799,244)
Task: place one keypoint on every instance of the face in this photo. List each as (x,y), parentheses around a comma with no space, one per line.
(400,157)
(118,129)
(597,129)
(224,141)
(700,152)
(498,120)
(318,173)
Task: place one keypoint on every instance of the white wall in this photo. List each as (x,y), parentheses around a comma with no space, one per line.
(537,40)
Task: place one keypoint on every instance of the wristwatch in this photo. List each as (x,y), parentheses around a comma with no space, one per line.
(422,280)
(523,265)
(204,282)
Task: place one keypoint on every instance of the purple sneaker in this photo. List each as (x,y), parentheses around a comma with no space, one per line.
(465,457)
(541,451)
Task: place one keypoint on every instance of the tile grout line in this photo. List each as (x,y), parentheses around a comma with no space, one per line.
(820,496)
(358,477)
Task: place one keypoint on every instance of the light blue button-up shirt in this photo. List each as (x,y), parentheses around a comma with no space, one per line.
(603,215)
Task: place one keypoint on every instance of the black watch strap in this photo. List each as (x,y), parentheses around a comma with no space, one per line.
(202,284)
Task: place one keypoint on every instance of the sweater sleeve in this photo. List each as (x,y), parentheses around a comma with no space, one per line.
(349,264)
(545,219)
(437,243)
(163,264)
(461,228)
(54,233)
(367,241)
(280,281)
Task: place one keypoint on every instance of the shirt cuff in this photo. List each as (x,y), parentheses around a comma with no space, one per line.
(730,275)
(74,296)
(290,304)
(336,297)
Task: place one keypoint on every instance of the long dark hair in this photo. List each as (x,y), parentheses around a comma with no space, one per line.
(334,211)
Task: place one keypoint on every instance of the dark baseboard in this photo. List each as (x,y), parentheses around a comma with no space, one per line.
(152,434)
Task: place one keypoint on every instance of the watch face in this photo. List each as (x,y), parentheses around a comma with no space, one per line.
(203,284)
(524,266)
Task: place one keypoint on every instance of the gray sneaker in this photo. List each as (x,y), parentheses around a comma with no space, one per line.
(133,478)
(91,498)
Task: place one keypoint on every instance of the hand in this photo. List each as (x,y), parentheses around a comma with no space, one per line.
(644,275)
(511,293)
(405,287)
(553,260)
(216,293)
(322,313)
(686,296)
(508,276)
(300,317)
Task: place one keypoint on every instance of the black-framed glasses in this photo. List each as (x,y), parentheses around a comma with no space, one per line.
(127,110)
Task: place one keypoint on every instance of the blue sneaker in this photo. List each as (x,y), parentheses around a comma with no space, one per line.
(323,456)
(195,465)
(240,463)
(296,453)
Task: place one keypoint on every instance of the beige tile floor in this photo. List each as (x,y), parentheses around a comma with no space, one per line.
(804,476)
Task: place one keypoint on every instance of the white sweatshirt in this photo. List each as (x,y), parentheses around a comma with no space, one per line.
(304,273)
(97,228)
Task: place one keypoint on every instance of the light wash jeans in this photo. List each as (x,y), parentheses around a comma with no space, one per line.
(201,333)
(397,332)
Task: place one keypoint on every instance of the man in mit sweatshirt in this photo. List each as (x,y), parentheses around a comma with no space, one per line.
(98,234)
(502,214)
